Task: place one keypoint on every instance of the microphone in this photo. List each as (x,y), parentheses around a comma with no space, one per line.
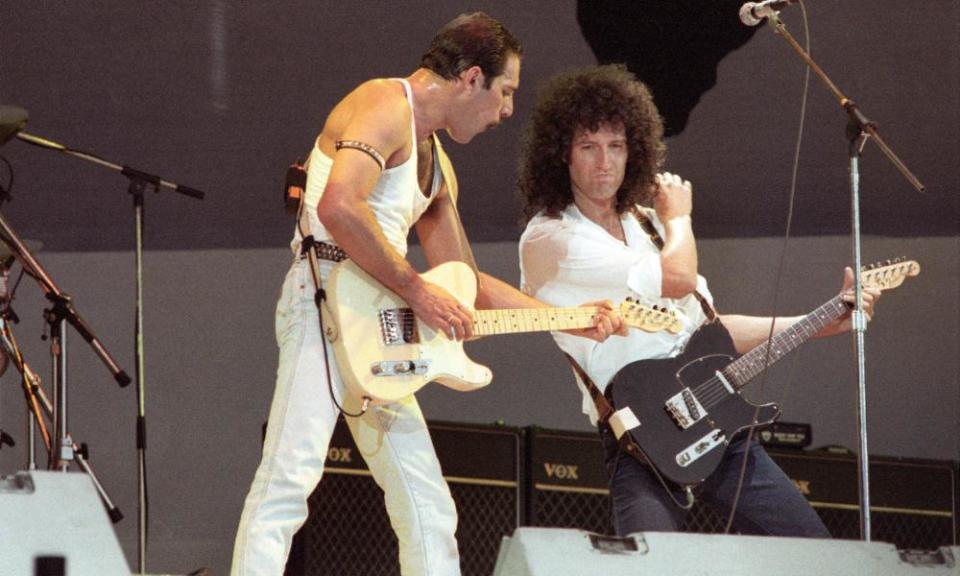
(12,120)
(754,13)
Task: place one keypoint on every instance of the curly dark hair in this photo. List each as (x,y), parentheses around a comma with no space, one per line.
(588,98)
(471,40)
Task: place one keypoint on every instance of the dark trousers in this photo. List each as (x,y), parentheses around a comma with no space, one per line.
(769,505)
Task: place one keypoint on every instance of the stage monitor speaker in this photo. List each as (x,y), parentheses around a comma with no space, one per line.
(54,524)
(348,532)
(566,552)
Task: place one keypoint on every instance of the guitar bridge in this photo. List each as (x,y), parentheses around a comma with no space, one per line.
(398,326)
(685,409)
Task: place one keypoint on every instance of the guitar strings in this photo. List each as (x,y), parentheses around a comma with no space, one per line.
(712,391)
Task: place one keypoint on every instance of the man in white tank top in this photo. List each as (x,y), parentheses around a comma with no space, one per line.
(373,175)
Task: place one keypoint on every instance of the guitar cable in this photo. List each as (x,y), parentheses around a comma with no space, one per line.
(779,275)
(621,452)
(319,296)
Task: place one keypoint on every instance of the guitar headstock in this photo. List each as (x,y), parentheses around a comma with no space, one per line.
(889,273)
(649,319)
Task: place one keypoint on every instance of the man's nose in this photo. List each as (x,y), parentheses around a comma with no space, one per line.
(506,110)
(603,158)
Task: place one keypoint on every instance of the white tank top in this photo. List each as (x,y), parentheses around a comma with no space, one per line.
(396,199)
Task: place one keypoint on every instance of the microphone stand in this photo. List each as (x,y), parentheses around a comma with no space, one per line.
(61,449)
(139,181)
(62,309)
(37,399)
(858,130)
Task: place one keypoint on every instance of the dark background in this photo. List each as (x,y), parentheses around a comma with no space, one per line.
(223,96)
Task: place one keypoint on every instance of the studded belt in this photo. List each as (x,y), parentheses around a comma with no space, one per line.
(324,250)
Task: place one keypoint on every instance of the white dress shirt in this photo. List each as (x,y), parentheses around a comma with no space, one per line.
(570,260)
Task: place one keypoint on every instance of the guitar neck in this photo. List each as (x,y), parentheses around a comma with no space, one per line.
(757,360)
(512,321)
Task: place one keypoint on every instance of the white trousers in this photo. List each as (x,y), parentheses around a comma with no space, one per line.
(393,440)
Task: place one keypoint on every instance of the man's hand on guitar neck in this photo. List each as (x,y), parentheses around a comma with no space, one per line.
(436,307)
(751,331)
(609,323)
(845,323)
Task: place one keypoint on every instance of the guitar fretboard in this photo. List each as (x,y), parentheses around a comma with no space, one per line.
(748,366)
(510,321)
(757,360)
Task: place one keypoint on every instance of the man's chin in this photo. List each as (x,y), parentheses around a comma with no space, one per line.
(460,138)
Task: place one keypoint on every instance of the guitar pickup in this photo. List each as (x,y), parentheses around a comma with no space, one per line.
(400,367)
(685,409)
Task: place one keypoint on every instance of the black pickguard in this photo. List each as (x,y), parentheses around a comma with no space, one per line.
(646,385)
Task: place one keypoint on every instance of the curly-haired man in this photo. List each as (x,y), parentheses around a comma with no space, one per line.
(591,186)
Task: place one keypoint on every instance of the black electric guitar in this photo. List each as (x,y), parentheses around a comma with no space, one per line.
(688,408)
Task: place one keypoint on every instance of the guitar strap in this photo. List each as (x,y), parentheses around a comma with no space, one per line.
(651,231)
(620,423)
(444,167)
(607,415)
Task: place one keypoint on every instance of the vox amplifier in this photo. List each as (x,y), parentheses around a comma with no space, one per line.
(348,531)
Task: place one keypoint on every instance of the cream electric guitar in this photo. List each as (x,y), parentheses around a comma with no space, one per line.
(385,353)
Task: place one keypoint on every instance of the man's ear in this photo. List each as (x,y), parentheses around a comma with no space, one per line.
(472,77)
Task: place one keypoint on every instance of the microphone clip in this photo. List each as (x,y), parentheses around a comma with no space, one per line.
(754,13)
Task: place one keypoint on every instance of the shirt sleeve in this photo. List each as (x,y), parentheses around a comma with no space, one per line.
(565,263)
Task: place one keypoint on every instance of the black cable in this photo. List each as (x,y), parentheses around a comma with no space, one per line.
(319,297)
(779,274)
(667,485)
(5,190)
